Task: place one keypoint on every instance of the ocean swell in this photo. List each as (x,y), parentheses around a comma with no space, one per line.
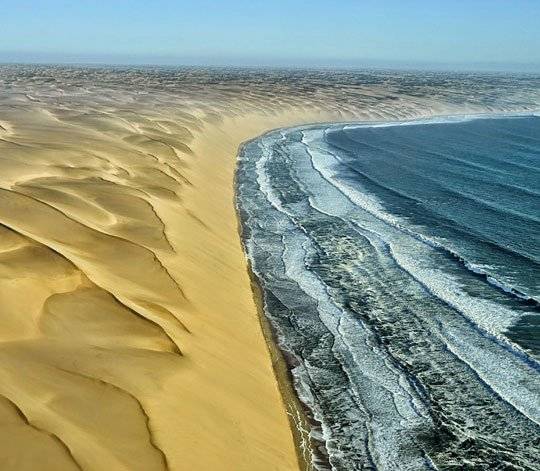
(396,334)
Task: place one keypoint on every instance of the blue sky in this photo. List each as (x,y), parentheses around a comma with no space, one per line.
(272,32)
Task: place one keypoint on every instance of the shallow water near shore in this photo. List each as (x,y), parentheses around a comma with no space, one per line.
(399,264)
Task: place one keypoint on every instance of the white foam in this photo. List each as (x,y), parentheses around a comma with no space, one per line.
(499,319)
(501,370)
(373,378)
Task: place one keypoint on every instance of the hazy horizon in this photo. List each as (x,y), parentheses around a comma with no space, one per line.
(156,61)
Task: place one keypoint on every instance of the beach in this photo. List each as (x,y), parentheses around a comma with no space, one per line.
(130,335)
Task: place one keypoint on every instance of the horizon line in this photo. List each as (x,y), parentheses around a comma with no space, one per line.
(12,57)
(496,68)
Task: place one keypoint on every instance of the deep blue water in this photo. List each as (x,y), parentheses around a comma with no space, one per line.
(472,188)
(400,269)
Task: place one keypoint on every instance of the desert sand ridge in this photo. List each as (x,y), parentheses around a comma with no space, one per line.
(129,336)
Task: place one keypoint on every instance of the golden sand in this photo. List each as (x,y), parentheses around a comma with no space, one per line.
(129,335)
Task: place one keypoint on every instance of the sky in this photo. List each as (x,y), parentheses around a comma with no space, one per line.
(499,34)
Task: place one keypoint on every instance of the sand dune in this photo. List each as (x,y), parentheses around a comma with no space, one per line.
(129,334)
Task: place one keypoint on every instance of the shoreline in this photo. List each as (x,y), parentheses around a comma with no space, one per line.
(299,422)
(264,250)
(294,409)
(298,414)
(302,424)
(231,134)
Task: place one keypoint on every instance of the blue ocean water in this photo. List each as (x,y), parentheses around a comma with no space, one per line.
(472,188)
(400,269)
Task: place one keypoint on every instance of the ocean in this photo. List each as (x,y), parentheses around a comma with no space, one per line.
(399,265)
